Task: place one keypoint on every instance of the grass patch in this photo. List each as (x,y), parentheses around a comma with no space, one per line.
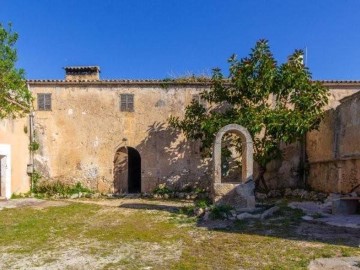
(158,239)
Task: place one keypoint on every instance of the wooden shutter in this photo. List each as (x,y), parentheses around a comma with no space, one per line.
(47,101)
(44,102)
(130,103)
(123,103)
(127,102)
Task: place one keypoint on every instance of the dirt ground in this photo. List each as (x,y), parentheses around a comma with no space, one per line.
(188,238)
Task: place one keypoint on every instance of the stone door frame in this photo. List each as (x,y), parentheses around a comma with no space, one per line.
(5,167)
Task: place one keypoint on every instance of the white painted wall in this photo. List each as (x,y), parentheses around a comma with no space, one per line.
(5,161)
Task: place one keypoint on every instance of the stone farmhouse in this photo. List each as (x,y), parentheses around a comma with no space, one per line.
(113,136)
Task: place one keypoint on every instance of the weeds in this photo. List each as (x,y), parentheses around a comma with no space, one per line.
(203,203)
(162,189)
(35,178)
(50,189)
(220,211)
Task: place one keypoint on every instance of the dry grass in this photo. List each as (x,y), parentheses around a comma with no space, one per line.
(90,236)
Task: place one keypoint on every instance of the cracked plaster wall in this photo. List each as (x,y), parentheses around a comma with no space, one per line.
(80,135)
(79,138)
(334,150)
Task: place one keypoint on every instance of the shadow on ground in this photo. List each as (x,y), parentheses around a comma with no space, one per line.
(145,206)
(287,224)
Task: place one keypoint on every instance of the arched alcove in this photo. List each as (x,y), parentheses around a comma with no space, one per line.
(247,152)
(127,170)
(238,195)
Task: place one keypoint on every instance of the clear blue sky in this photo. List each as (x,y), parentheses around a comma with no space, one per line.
(164,38)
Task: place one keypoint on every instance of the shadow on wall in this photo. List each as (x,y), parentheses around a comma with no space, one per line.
(168,158)
(231,160)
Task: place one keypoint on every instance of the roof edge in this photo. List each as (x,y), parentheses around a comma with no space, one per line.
(170,82)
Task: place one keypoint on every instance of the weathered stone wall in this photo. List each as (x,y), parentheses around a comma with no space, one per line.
(79,137)
(334,150)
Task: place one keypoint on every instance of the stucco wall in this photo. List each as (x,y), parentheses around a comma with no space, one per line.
(79,137)
(81,134)
(12,132)
(334,150)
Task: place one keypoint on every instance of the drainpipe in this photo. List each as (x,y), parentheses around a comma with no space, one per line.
(30,166)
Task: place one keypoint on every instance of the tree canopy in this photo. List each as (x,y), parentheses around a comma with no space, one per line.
(277,103)
(15,98)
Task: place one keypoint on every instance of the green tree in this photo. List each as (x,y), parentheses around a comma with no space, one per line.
(15,98)
(276,103)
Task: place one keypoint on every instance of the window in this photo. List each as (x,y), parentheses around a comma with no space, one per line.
(199,100)
(127,102)
(44,102)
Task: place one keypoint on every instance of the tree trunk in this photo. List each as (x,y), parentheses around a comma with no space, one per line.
(260,183)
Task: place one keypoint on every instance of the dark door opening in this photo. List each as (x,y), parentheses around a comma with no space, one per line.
(134,171)
(127,170)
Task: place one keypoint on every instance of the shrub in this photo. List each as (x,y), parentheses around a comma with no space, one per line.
(162,189)
(34,146)
(35,177)
(203,203)
(60,188)
(220,211)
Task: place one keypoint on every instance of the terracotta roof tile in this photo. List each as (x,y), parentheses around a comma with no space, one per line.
(73,68)
(170,82)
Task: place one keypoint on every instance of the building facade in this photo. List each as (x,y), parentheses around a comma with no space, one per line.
(113,136)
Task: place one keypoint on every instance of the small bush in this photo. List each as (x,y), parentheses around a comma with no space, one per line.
(187,210)
(60,188)
(35,177)
(162,189)
(34,146)
(220,211)
(20,195)
(77,188)
(203,203)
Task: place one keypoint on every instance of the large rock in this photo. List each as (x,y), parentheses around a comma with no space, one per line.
(342,263)
(269,212)
(246,189)
(236,195)
(243,216)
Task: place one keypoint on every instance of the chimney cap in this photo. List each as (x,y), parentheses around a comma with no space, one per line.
(82,68)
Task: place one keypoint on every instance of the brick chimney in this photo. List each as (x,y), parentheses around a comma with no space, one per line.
(90,73)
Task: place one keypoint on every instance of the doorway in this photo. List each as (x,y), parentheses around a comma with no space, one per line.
(5,171)
(127,170)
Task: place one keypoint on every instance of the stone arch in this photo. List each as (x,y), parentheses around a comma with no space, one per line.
(238,195)
(247,152)
(127,170)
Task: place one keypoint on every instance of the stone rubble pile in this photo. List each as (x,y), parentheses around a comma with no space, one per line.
(298,193)
(260,213)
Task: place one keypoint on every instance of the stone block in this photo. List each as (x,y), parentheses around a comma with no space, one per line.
(246,189)
(345,206)
(269,212)
(228,194)
(243,216)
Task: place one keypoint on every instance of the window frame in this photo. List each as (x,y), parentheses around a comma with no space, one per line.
(44,104)
(127,102)
(199,99)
